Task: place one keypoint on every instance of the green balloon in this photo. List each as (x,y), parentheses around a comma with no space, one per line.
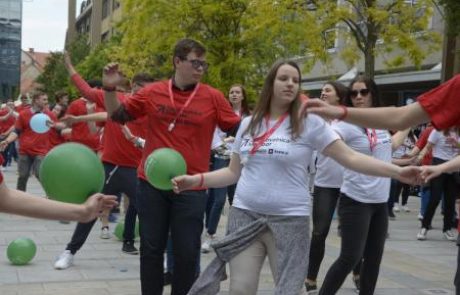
(71,172)
(162,165)
(21,251)
(120,228)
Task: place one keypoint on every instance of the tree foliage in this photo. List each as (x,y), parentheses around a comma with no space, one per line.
(374,27)
(243,37)
(54,76)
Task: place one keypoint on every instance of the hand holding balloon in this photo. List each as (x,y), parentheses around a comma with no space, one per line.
(39,123)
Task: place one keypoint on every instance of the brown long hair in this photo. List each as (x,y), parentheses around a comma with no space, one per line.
(263,104)
(244,103)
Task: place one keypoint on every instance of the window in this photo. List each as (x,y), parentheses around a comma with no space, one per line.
(330,39)
(115,4)
(105,8)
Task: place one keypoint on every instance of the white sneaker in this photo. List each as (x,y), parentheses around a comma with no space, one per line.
(420,216)
(105,233)
(395,208)
(405,209)
(206,246)
(421,236)
(65,260)
(449,235)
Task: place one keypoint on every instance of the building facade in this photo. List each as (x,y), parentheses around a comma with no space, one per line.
(10,47)
(96,19)
(32,65)
(396,85)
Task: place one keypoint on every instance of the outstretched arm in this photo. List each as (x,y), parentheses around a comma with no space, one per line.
(21,203)
(85,90)
(391,118)
(218,178)
(351,159)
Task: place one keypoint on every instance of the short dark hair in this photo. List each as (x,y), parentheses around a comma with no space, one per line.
(36,95)
(94,83)
(370,84)
(60,94)
(141,78)
(185,46)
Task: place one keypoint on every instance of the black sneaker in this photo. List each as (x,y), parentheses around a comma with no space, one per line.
(357,282)
(311,289)
(391,215)
(167,278)
(128,248)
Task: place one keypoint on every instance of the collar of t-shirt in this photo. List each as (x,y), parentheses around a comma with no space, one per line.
(34,111)
(185,88)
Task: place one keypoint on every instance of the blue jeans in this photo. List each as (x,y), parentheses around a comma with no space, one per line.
(161,212)
(216,200)
(424,199)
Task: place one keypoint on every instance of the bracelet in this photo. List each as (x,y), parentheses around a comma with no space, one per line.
(345,112)
(201,180)
(109,88)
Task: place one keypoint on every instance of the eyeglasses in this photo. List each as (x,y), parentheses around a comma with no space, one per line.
(363,92)
(196,64)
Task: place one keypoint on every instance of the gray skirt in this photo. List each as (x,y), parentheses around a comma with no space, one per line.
(292,240)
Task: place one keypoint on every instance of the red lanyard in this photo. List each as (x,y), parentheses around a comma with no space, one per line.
(171,97)
(372,136)
(259,141)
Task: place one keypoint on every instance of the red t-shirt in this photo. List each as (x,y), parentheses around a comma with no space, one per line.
(80,131)
(441,104)
(55,138)
(22,107)
(1,174)
(6,124)
(193,131)
(117,149)
(421,143)
(31,143)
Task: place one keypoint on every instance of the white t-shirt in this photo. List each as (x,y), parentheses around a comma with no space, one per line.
(274,180)
(442,149)
(217,138)
(404,148)
(329,173)
(361,187)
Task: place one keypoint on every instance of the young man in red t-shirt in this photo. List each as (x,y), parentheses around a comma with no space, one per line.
(32,146)
(120,158)
(25,104)
(7,120)
(182,114)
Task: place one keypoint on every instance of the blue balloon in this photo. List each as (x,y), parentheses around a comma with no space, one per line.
(38,123)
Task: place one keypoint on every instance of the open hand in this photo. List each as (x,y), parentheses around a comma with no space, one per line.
(96,204)
(429,172)
(410,175)
(112,75)
(321,108)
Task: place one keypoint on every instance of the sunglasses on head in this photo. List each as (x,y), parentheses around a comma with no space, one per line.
(196,64)
(363,92)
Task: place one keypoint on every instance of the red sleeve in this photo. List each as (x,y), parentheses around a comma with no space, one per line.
(73,108)
(93,94)
(136,105)
(421,142)
(441,104)
(20,122)
(226,117)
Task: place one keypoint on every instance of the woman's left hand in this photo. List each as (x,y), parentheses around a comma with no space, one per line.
(185,182)
(410,175)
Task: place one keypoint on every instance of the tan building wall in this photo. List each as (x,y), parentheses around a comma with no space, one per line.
(97,18)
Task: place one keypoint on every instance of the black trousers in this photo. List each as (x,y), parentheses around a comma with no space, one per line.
(364,227)
(118,179)
(159,213)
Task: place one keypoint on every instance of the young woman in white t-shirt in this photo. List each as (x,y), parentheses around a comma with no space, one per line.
(326,193)
(445,147)
(271,154)
(363,209)
(221,149)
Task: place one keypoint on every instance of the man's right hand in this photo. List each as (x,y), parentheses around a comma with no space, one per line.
(3,145)
(111,75)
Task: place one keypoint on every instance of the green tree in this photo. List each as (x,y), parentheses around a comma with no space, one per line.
(373,27)
(243,37)
(54,76)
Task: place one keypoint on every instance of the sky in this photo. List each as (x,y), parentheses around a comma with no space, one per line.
(44,24)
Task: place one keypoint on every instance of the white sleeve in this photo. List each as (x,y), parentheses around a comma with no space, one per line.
(319,132)
(238,138)
(434,137)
